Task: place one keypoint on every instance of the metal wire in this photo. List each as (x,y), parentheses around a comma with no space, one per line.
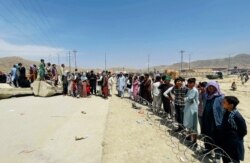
(177,140)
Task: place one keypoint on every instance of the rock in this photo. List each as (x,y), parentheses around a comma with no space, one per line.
(43,89)
(6,91)
(80,138)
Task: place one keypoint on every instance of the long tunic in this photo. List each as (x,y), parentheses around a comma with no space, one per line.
(208,122)
(191,109)
(41,71)
(105,90)
(135,89)
(84,89)
(121,83)
(147,92)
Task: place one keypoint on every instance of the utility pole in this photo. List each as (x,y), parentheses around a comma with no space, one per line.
(148,61)
(69,63)
(74,51)
(189,61)
(229,63)
(58,59)
(49,58)
(105,62)
(182,51)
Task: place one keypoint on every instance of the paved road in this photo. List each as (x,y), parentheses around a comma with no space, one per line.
(34,129)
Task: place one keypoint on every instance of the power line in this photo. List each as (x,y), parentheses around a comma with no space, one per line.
(148,61)
(74,52)
(17,17)
(189,61)
(182,51)
(34,21)
(37,7)
(21,31)
(105,62)
(69,63)
(4,6)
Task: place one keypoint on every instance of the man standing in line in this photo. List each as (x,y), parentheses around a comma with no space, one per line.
(121,85)
(92,81)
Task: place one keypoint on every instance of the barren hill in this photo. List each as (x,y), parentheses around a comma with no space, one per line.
(241,61)
(6,63)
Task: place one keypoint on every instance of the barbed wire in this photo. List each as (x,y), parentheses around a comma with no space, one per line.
(184,149)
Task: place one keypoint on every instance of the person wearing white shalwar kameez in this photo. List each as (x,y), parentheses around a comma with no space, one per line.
(121,85)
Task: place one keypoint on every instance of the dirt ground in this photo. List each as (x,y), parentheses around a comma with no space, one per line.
(130,137)
(35,129)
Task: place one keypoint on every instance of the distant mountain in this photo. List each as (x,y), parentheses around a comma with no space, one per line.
(6,63)
(241,61)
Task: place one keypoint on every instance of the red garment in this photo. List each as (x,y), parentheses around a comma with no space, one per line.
(84,89)
(105,89)
(88,90)
(74,85)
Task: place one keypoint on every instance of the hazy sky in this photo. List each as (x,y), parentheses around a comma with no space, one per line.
(127,30)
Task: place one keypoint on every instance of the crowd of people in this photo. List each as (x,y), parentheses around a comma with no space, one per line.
(75,84)
(200,108)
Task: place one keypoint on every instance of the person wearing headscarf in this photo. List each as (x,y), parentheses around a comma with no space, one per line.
(32,74)
(147,89)
(54,75)
(212,114)
(84,85)
(135,88)
(105,89)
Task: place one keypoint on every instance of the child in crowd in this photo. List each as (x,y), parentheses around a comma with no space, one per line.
(233,130)
(202,93)
(191,100)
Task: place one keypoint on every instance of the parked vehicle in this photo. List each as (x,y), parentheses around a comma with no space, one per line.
(216,75)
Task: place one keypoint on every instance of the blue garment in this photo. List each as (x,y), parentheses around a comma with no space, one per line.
(121,83)
(217,109)
(13,73)
(218,97)
(190,119)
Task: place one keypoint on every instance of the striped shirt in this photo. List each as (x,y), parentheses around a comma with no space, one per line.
(179,93)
